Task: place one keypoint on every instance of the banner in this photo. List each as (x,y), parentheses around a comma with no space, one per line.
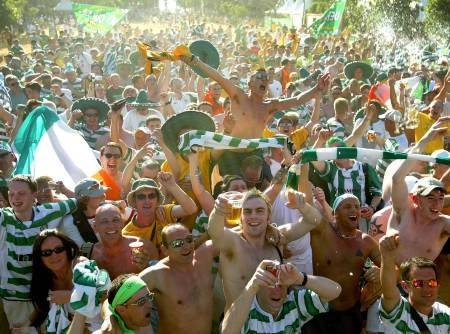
(330,22)
(97,19)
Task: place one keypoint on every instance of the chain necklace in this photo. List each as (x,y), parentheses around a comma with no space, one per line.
(343,236)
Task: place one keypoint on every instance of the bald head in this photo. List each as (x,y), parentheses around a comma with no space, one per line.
(170,229)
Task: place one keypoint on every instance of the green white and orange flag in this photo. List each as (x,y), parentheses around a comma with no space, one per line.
(330,22)
(97,19)
(47,146)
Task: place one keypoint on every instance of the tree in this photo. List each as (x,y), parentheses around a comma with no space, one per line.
(437,19)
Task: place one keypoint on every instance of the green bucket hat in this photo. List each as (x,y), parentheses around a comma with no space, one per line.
(143,101)
(92,103)
(349,69)
(192,120)
(143,183)
(207,54)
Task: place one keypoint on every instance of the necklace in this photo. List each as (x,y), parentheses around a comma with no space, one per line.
(341,235)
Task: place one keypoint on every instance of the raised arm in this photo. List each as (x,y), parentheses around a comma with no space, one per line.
(127,174)
(315,116)
(361,127)
(399,189)
(215,75)
(445,88)
(204,197)
(311,217)
(236,316)
(322,85)
(170,156)
(186,205)
(390,293)
(324,287)
(222,237)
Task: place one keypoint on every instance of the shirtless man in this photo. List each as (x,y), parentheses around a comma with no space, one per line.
(113,252)
(182,283)
(422,228)
(251,111)
(241,251)
(343,261)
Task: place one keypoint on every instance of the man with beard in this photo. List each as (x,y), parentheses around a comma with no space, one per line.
(241,251)
(251,111)
(113,252)
(183,283)
(343,262)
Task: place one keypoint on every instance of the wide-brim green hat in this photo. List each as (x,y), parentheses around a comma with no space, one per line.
(143,183)
(192,120)
(207,53)
(143,101)
(92,103)
(350,68)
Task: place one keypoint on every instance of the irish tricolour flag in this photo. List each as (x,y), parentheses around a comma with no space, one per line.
(46,146)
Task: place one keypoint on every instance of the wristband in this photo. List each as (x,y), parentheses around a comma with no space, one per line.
(305,279)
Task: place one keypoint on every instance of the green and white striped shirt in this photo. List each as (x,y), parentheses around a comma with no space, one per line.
(337,127)
(399,320)
(352,180)
(299,307)
(16,245)
(95,139)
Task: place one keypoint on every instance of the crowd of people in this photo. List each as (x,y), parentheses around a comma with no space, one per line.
(222,239)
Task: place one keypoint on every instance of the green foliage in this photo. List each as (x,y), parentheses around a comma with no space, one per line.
(437,19)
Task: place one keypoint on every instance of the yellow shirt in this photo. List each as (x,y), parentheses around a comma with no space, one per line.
(298,137)
(424,122)
(152,232)
(204,162)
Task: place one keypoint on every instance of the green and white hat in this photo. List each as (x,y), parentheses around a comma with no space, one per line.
(139,184)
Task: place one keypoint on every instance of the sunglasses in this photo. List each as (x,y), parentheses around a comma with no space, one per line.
(419,283)
(142,301)
(56,250)
(177,243)
(111,155)
(142,197)
(90,115)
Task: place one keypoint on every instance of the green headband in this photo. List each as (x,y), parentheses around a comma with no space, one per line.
(131,285)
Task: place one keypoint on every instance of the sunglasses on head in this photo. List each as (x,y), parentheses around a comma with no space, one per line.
(111,155)
(142,301)
(419,283)
(177,243)
(142,197)
(56,250)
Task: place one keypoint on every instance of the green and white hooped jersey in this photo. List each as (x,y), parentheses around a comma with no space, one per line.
(299,307)
(92,137)
(201,227)
(16,245)
(399,320)
(337,127)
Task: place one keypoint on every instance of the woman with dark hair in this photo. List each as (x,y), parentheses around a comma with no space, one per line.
(54,255)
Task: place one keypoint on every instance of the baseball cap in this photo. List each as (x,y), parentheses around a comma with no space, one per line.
(89,188)
(143,129)
(426,185)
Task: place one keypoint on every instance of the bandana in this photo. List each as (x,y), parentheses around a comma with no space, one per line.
(131,285)
(341,198)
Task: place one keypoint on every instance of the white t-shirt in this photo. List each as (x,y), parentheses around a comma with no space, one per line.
(275,89)
(300,248)
(133,119)
(179,106)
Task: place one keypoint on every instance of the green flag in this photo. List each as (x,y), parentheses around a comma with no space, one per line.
(97,19)
(330,21)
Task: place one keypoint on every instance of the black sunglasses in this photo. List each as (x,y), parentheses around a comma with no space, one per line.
(142,197)
(110,155)
(56,250)
(261,76)
(177,243)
